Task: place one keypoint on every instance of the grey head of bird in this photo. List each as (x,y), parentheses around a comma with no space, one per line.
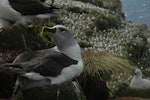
(62,36)
(138,73)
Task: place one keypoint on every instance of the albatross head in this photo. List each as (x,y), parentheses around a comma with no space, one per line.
(64,41)
(138,73)
(62,36)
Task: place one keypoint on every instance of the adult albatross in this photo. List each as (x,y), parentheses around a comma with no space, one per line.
(58,64)
(23,11)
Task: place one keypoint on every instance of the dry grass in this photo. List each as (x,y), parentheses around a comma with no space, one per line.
(103,65)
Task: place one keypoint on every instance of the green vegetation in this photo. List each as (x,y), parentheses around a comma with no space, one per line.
(94,2)
(105,22)
(123,90)
(138,51)
(137,92)
(111,4)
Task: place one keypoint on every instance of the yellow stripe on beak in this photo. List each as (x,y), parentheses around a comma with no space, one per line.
(49,29)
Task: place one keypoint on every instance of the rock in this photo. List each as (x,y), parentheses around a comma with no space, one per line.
(65,91)
(130,98)
(7,82)
(132,92)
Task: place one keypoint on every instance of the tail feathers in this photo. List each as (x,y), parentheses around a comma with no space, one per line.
(15,65)
(15,68)
(52,13)
(55,10)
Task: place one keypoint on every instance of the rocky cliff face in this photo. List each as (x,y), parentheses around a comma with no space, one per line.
(114,5)
(119,7)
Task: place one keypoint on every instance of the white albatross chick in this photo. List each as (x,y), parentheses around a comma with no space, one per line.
(139,82)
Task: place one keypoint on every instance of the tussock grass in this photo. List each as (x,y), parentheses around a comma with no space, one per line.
(101,65)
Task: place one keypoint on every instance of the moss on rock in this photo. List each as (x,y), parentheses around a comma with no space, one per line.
(144,93)
(21,38)
(66,91)
(124,90)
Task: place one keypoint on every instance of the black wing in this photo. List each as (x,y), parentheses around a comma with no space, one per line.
(30,7)
(49,63)
(53,65)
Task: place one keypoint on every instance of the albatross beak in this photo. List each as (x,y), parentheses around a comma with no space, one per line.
(49,29)
(47,34)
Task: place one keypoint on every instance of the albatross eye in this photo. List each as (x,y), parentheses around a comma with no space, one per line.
(62,29)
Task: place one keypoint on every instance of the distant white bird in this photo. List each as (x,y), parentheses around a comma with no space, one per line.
(58,65)
(23,11)
(138,82)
